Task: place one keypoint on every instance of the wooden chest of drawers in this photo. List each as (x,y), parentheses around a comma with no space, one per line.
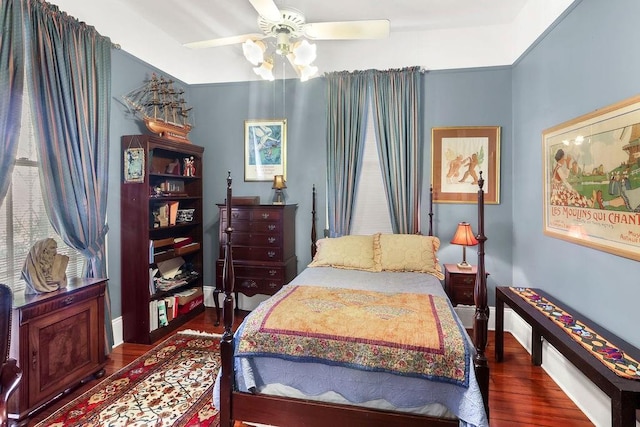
(263,244)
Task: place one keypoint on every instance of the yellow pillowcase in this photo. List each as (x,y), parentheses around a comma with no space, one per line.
(348,252)
(410,252)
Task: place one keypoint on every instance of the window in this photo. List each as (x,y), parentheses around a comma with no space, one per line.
(23,218)
(370,213)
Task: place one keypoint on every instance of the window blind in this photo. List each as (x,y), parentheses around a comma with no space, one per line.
(371,213)
(23,217)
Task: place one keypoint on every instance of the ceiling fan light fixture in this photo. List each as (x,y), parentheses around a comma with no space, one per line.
(304,53)
(283,44)
(254,51)
(265,70)
(307,71)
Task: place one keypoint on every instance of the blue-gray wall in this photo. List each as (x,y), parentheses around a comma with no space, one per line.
(588,61)
(585,62)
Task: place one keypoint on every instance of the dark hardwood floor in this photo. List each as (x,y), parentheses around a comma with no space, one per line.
(520,394)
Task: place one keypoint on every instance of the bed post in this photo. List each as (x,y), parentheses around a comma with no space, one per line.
(481,317)
(313,223)
(226,343)
(431,210)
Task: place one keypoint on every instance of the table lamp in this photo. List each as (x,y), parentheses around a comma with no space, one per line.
(278,184)
(464,236)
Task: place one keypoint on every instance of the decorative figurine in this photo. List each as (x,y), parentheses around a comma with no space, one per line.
(44,269)
(189,167)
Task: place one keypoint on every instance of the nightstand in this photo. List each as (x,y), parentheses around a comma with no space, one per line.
(459,284)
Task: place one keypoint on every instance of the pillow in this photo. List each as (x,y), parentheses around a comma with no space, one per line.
(410,252)
(348,252)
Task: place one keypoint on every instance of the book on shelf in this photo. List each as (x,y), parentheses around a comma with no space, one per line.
(162,313)
(152,280)
(172,307)
(179,242)
(187,248)
(153,315)
(173,212)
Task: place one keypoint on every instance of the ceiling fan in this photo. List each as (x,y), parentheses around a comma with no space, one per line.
(286,30)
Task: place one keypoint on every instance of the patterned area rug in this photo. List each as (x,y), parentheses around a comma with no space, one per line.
(170,385)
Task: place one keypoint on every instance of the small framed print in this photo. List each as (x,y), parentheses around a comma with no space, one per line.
(265,149)
(458,155)
(134,165)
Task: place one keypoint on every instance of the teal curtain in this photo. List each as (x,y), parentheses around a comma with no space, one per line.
(69,69)
(347,96)
(11,86)
(396,112)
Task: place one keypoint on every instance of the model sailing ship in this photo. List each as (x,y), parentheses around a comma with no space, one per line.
(162,107)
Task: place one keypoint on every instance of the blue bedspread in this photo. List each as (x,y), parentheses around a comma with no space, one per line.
(383,390)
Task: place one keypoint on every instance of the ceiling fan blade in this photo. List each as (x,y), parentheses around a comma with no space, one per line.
(224,41)
(267,9)
(348,30)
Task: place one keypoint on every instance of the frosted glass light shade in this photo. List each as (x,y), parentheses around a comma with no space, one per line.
(254,51)
(265,70)
(304,52)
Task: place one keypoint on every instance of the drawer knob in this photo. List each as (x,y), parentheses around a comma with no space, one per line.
(271,254)
(235,214)
(272,227)
(273,272)
(249,284)
(274,285)
(265,215)
(272,240)
(68,300)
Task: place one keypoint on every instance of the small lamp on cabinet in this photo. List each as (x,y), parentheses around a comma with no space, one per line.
(464,236)
(279,184)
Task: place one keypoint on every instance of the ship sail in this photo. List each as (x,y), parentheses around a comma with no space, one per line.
(162,107)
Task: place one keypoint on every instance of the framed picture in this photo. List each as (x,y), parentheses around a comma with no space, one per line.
(265,149)
(134,165)
(458,155)
(591,179)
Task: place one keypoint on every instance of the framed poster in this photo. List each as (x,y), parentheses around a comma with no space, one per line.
(134,165)
(265,149)
(591,179)
(458,154)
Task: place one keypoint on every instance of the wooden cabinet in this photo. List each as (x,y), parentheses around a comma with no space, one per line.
(459,284)
(263,244)
(161,222)
(58,340)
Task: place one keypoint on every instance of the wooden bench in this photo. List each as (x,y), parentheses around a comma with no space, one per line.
(624,393)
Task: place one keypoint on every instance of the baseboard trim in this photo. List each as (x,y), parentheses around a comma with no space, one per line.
(118,336)
(594,403)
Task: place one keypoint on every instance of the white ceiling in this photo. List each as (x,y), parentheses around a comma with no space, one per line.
(433,34)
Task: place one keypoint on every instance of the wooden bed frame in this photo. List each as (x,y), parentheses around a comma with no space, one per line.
(287,412)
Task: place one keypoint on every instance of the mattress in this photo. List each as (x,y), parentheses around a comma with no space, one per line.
(339,384)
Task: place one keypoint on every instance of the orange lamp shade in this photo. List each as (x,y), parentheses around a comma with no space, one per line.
(464,236)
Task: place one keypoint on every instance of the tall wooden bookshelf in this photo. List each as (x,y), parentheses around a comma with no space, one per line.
(155,235)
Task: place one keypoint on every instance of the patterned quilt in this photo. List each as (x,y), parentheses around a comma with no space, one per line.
(406,334)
